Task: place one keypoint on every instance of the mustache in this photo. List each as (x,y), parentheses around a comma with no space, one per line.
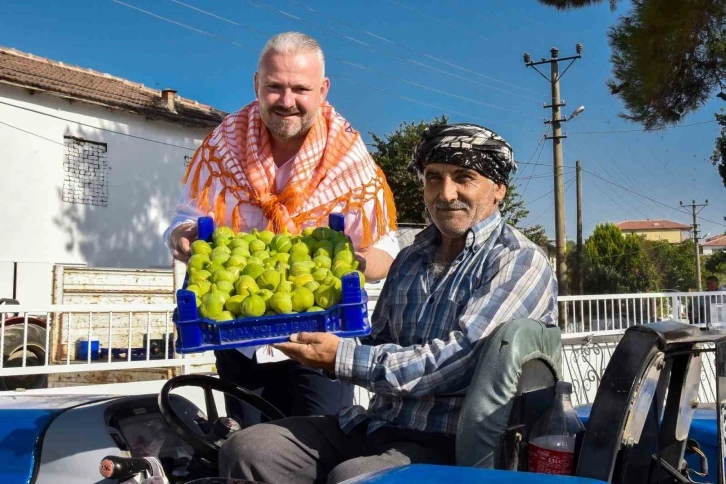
(285,112)
(453,205)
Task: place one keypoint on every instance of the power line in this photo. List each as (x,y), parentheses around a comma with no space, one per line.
(540,141)
(397,44)
(614,131)
(359,66)
(550,192)
(94,127)
(569,185)
(438,20)
(536,161)
(353,41)
(223,39)
(32,134)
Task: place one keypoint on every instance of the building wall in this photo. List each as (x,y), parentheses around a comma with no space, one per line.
(711,249)
(672,236)
(142,185)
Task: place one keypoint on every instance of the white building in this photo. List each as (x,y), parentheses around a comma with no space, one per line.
(714,244)
(91,169)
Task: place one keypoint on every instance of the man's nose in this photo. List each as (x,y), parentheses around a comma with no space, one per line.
(448,190)
(288,99)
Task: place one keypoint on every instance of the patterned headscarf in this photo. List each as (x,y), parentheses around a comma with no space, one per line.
(467,145)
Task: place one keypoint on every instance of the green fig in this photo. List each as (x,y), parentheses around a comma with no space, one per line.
(342,270)
(284,286)
(257,245)
(204,285)
(323,261)
(253,270)
(196,290)
(234,304)
(281,244)
(219,257)
(308,231)
(222,248)
(249,238)
(282,257)
(222,275)
(201,247)
(235,271)
(197,261)
(211,267)
(302,279)
(253,306)
(261,254)
(245,281)
(344,256)
(299,257)
(266,236)
(341,246)
(243,252)
(302,299)
(198,275)
(281,303)
(322,233)
(265,294)
(225,316)
(235,261)
(312,285)
(238,243)
(314,309)
(268,280)
(222,233)
(299,248)
(324,247)
(255,260)
(225,286)
(320,274)
(326,296)
(212,308)
(300,268)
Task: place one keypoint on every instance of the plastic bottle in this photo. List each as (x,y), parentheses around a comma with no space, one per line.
(551,447)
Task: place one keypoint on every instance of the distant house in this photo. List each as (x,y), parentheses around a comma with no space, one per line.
(667,230)
(714,244)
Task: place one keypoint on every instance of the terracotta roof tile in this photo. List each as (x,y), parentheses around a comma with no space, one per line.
(718,240)
(55,78)
(651,225)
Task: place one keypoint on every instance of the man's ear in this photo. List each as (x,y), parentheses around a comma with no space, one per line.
(255,83)
(500,193)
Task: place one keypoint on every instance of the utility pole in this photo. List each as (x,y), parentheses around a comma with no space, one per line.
(580,284)
(694,206)
(557,137)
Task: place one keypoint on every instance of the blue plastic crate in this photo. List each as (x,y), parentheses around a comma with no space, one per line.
(348,319)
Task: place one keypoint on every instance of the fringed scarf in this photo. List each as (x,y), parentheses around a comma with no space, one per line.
(332,169)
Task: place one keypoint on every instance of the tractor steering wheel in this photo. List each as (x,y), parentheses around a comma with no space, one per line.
(216,429)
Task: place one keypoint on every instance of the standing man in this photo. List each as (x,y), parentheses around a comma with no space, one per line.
(286,161)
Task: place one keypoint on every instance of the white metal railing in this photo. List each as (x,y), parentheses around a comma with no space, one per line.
(141,335)
(607,312)
(129,337)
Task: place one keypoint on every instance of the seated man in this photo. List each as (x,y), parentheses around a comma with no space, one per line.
(463,276)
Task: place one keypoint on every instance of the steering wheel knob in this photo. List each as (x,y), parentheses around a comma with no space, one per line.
(225,426)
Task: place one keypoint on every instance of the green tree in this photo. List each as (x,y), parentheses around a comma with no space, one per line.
(674,264)
(615,264)
(669,58)
(393,154)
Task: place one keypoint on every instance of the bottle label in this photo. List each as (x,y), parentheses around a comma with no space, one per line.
(546,461)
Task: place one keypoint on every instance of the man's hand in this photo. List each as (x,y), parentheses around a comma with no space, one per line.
(316,350)
(181,239)
(373,263)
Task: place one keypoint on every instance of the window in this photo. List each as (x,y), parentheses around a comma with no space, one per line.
(86,172)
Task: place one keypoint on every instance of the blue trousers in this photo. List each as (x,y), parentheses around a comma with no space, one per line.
(295,390)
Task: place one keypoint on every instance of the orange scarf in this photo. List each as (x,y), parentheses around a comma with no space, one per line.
(333,171)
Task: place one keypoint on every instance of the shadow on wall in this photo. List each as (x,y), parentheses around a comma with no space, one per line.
(126,233)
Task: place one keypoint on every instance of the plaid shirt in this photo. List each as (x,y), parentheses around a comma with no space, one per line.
(420,355)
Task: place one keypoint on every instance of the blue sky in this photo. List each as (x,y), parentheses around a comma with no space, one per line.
(465,57)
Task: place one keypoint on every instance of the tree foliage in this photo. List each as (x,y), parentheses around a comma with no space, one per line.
(669,58)
(393,153)
(614,263)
